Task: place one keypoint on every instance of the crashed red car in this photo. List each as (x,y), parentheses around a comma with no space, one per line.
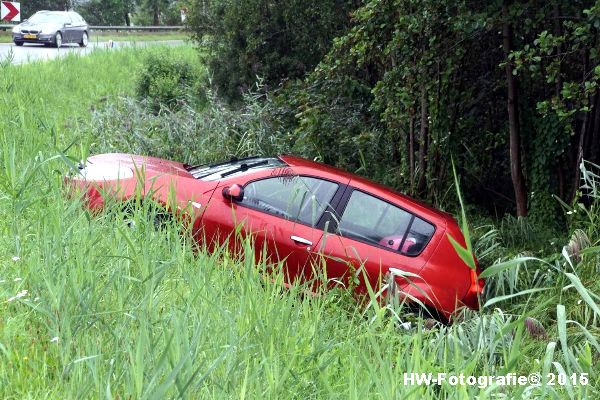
(303,212)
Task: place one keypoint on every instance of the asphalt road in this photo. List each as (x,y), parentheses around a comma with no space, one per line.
(35,52)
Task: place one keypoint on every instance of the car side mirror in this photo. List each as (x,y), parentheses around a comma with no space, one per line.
(67,24)
(234,192)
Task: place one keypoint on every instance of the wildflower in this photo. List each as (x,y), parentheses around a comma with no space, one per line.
(16,258)
(535,328)
(22,293)
(54,339)
(18,279)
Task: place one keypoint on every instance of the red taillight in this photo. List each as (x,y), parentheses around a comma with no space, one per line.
(476,283)
(475,291)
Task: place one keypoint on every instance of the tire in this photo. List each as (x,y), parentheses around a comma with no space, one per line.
(58,40)
(394,299)
(84,40)
(19,44)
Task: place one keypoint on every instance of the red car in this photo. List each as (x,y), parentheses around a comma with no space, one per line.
(303,212)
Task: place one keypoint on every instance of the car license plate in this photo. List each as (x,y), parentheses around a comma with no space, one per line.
(30,36)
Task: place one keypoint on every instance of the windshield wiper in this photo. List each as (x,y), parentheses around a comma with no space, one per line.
(244,167)
(218,164)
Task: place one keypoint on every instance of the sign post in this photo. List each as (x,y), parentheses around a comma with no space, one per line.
(10,11)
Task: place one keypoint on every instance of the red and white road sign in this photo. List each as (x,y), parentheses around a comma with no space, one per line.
(10,11)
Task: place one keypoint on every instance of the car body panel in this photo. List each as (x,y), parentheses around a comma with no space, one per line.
(435,276)
(151,177)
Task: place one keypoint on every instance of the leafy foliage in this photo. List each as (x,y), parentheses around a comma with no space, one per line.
(93,307)
(107,12)
(407,84)
(272,40)
(167,79)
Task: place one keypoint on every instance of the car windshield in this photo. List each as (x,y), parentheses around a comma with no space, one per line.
(213,172)
(42,18)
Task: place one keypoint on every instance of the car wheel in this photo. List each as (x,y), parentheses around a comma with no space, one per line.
(19,44)
(84,40)
(58,40)
(409,310)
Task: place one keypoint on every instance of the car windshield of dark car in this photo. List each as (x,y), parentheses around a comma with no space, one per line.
(213,172)
(46,18)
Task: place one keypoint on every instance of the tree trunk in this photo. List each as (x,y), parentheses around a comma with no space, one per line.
(156,10)
(579,156)
(591,142)
(559,49)
(127,20)
(411,152)
(561,179)
(585,128)
(423,139)
(516,169)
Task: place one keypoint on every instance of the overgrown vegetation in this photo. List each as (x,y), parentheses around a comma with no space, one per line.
(97,306)
(114,12)
(257,38)
(168,80)
(94,308)
(509,89)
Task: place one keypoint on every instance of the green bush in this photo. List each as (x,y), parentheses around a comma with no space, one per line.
(191,134)
(272,40)
(168,79)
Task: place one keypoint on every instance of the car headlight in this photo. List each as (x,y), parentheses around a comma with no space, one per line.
(104,172)
(16,29)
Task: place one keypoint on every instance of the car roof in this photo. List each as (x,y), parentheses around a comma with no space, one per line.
(370,186)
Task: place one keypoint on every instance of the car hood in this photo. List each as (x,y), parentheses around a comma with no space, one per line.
(123,176)
(47,26)
(129,163)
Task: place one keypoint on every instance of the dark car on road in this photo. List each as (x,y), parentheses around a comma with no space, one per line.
(52,28)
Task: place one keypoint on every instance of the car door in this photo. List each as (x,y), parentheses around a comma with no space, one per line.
(281,213)
(67,28)
(372,236)
(78,27)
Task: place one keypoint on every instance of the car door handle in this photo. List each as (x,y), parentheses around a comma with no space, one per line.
(299,239)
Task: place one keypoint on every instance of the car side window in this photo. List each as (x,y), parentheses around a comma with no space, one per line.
(375,221)
(296,198)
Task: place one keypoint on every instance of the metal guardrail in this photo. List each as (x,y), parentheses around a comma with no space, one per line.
(138,28)
(7,27)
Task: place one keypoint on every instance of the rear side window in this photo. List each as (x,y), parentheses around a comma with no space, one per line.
(297,198)
(378,222)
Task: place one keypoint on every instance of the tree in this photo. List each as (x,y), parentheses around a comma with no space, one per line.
(407,85)
(271,40)
(514,124)
(156,7)
(30,7)
(107,12)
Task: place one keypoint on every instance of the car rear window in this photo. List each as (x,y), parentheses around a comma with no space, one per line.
(372,220)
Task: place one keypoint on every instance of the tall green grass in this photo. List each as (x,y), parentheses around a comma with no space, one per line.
(93,306)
